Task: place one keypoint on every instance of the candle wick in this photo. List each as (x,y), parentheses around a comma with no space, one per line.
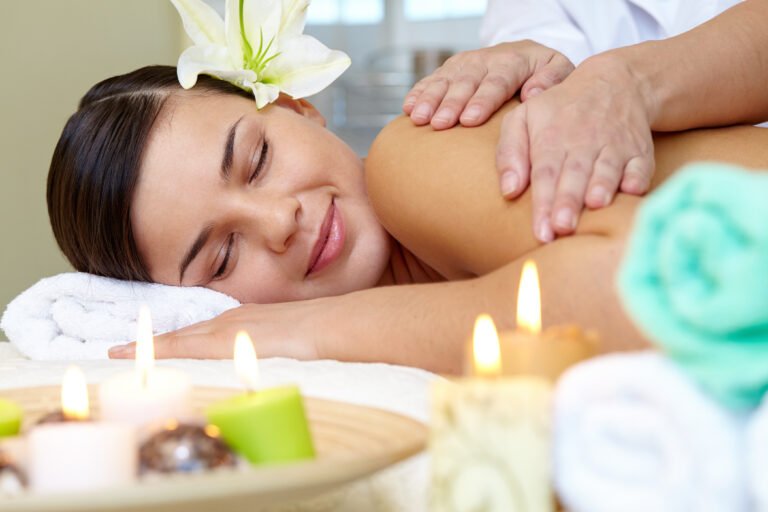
(144,378)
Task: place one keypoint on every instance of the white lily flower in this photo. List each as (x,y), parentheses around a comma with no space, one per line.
(259,47)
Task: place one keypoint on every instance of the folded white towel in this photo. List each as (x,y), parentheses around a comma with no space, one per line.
(757,453)
(79,316)
(632,433)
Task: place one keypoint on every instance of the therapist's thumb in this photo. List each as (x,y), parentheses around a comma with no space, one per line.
(551,74)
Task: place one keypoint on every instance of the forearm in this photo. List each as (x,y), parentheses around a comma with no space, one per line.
(713,75)
(428,325)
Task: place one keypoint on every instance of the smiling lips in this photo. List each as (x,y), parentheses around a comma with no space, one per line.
(330,241)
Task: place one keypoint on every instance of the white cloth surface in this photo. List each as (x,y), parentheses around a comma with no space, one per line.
(401,488)
(633,433)
(80,316)
(581,28)
(757,453)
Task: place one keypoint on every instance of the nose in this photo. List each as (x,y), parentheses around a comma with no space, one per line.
(277,220)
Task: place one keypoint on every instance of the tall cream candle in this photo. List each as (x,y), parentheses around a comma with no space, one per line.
(490,438)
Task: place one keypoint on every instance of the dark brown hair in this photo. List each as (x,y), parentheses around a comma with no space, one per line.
(95,167)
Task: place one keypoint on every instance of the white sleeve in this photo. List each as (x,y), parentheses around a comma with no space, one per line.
(543,21)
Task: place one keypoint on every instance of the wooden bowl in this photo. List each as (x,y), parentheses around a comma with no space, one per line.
(351,442)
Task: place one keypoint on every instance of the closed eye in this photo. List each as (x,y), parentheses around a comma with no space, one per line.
(223,267)
(261,162)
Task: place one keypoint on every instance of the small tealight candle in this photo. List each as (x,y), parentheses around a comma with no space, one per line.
(528,350)
(149,394)
(10,418)
(80,455)
(264,426)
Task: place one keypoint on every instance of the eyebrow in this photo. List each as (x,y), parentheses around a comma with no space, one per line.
(194,250)
(229,151)
(226,171)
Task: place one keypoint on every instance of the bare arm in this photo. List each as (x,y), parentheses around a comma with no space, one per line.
(455,221)
(713,75)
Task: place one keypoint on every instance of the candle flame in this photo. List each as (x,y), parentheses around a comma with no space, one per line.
(485,347)
(145,346)
(529,299)
(74,394)
(246,363)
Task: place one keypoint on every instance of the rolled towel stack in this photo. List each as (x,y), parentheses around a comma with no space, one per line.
(695,278)
(634,433)
(757,453)
(80,316)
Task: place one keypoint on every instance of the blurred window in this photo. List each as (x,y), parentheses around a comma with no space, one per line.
(345,12)
(420,10)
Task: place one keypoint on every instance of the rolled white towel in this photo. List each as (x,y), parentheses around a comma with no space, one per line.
(80,316)
(757,453)
(633,433)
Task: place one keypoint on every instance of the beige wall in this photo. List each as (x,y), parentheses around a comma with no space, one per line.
(51,52)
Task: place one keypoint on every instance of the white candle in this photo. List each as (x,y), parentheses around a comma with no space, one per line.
(489,437)
(80,455)
(150,394)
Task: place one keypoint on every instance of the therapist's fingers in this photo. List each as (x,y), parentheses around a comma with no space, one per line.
(460,90)
(606,178)
(412,97)
(551,74)
(571,189)
(545,170)
(429,100)
(638,174)
(494,91)
(512,161)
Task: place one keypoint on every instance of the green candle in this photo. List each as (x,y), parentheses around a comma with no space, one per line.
(10,418)
(264,426)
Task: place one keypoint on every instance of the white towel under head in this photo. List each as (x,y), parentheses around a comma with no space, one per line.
(633,433)
(80,316)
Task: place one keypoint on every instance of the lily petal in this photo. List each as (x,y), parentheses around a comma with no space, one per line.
(305,66)
(294,17)
(261,23)
(201,22)
(232,32)
(210,60)
(264,93)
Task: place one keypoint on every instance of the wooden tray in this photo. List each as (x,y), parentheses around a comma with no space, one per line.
(351,442)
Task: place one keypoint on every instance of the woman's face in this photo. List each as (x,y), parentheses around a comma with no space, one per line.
(265,206)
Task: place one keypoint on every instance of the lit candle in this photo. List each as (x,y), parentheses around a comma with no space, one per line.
(264,426)
(149,394)
(80,455)
(489,439)
(10,418)
(490,436)
(527,350)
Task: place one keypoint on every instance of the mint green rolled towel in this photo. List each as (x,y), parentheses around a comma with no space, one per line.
(695,278)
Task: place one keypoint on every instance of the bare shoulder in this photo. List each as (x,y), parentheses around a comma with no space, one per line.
(437,193)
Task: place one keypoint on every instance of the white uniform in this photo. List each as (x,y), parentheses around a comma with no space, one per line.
(580,28)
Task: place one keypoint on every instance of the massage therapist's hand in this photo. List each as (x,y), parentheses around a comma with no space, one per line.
(472,85)
(277,330)
(579,143)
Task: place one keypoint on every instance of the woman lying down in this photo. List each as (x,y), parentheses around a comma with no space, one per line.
(388,259)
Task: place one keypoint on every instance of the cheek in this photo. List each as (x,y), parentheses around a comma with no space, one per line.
(257,281)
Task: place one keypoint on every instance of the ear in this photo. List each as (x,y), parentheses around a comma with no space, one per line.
(301,107)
